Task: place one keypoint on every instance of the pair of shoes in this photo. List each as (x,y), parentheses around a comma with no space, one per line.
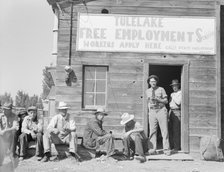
(126,157)
(39,158)
(140,158)
(21,158)
(46,157)
(167,152)
(73,156)
(152,152)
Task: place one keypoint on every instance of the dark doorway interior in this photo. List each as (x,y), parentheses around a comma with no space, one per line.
(166,74)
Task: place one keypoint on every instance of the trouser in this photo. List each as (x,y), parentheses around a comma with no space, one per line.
(135,143)
(24,140)
(107,141)
(159,117)
(2,150)
(71,139)
(175,120)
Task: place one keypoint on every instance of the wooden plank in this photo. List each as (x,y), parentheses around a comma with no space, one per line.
(194,142)
(123,106)
(125,84)
(203,63)
(218,75)
(202,123)
(202,86)
(202,131)
(184,108)
(203,93)
(202,101)
(125,77)
(145,104)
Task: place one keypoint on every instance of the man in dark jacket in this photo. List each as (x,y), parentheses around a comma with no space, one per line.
(94,135)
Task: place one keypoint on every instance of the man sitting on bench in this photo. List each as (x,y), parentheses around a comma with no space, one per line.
(95,135)
(61,130)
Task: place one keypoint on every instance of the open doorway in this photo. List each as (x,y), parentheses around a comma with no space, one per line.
(166,74)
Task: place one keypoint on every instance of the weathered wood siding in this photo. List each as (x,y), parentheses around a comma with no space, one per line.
(125,81)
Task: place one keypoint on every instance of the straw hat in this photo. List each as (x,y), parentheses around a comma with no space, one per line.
(126,117)
(62,105)
(101,110)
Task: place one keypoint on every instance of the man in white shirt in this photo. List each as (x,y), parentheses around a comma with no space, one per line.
(61,130)
(175,114)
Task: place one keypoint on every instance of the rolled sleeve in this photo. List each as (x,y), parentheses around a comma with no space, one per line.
(25,126)
(164,95)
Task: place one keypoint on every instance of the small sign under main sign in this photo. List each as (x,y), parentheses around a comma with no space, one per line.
(146,34)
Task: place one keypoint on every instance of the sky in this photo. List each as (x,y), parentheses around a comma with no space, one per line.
(26,44)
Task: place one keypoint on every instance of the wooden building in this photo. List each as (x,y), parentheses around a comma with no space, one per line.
(114,45)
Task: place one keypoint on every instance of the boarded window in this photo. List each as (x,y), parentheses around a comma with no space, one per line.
(94,86)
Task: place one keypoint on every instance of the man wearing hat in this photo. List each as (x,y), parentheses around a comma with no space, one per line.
(135,141)
(32,130)
(8,127)
(157,99)
(95,135)
(175,113)
(61,130)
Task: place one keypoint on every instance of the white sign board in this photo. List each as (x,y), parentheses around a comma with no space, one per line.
(146,34)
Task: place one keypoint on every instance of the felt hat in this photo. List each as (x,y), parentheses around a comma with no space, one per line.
(101,110)
(22,112)
(153,76)
(126,117)
(175,82)
(31,108)
(62,105)
(7,106)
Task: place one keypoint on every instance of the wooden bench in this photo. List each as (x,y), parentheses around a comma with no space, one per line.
(83,152)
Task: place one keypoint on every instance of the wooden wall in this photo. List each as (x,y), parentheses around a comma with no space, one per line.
(125,81)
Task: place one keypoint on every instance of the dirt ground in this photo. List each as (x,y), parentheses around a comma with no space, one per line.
(112,165)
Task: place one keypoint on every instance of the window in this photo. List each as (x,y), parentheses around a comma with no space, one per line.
(94,86)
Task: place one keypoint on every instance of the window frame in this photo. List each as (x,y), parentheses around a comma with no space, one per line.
(94,107)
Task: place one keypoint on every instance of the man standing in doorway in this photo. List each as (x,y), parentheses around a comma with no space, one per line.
(175,114)
(157,98)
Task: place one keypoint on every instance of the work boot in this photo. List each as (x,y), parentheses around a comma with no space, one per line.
(152,152)
(46,157)
(21,158)
(140,158)
(167,152)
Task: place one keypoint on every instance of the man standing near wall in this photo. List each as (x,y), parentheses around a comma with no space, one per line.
(175,114)
(157,98)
